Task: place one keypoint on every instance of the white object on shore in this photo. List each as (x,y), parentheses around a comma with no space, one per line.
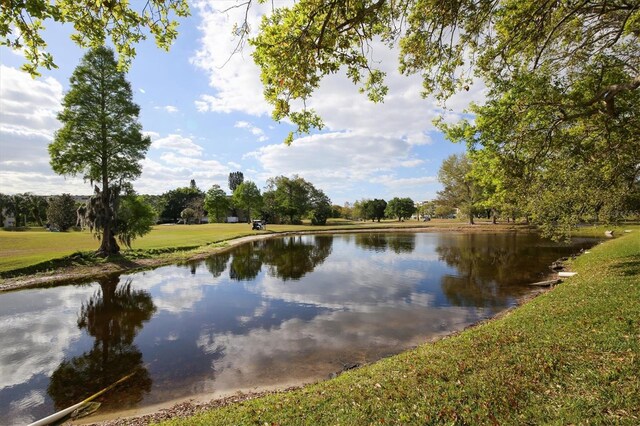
(63,413)
(566,274)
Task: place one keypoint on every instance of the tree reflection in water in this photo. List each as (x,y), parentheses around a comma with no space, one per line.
(292,258)
(488,266)
(217,264)
(288,258)
(398,243)
(113,316)
(247,261)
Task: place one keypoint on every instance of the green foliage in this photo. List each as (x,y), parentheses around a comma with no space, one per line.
(444,211)
(427,208)
(22,26)
(100,138)
(24,208)
(289,197)
(376,209)
(320,207)
(235,179)
(157,202)
(359,210)
(247,196)
(299,45)
(460,188)
(559,167)
(176,200)
(61,212)
(402,208)
(36,205)
(216,203)
(135,218)
(188,215)
(443,41)
(563,86)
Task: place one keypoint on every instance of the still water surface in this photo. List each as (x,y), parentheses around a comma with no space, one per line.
(267,313)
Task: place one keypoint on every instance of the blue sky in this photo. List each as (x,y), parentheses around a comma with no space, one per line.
(207,120)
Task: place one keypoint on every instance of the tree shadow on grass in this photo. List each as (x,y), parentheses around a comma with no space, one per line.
(629,266)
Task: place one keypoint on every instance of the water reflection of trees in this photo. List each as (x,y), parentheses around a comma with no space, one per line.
(288,258)
(247,261)
(292,258)
(112,316)
(217,264)
(398,243)
(487,267)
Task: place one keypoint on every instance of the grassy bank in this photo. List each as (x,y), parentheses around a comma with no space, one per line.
(570,356)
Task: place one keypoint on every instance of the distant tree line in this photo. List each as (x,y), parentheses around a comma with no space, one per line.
(476,186)
(283,200)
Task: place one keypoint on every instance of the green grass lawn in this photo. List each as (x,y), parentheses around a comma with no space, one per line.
(570,356)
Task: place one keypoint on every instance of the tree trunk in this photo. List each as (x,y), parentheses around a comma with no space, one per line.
(471,219)
(108,245)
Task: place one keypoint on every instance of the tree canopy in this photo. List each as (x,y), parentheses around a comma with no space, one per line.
(247,196)
(100,138)
(402,208)
(216,203)
(293,199)
(460,189)
(235,179)
(560,125)
(22,23)
(61,212)
(447,43)
(176,200)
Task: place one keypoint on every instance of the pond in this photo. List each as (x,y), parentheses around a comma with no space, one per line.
(267,313)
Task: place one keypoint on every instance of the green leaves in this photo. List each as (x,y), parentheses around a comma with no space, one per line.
(216,203)
(101,139)
(402,208)
(300,45)
(22,24)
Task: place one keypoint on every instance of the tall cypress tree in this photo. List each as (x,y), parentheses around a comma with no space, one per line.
(100,137)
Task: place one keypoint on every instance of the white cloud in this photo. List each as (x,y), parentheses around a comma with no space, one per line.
(334,160)
(168,108)
(28,109)
(412,163)
(39,341)
(363,140)
(180,144)
(394,183)
(256,131)
(142,91)
(179,161)
(234,79)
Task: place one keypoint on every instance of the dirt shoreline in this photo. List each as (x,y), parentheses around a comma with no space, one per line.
(87,273)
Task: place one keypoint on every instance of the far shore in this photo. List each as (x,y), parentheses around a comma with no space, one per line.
(84,273)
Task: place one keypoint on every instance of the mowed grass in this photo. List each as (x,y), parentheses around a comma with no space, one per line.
(570,356)
(26,249)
